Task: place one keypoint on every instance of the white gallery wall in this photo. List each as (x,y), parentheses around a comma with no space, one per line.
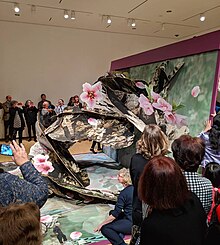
(37,59)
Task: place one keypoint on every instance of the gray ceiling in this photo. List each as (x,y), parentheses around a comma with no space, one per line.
(151,17)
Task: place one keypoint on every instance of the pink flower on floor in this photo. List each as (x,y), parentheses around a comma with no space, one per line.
(91,94)
(92,121)
(46,219)
(155,96)
(195,91)
(140,85)
(162,105)
(146,105)
(44,168)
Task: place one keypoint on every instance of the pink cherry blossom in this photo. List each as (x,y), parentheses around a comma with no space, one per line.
(181,120)
(44,168)
(40,158)
(170,117)
(75,235)
(140,85)
(175,119)
(162,105)
(92,121)
(195,91)
(46,219)
(146,105)
(155,96)
(91,94)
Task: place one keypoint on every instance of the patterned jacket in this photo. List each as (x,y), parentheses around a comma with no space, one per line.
(33,188)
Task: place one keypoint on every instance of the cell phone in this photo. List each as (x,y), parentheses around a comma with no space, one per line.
(6,150)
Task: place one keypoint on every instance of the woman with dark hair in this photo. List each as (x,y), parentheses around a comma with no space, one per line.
(211,137)
(71,101)
(16,120)
(176,215)
(20,224)
(153,142)
(188,153)
(30,114)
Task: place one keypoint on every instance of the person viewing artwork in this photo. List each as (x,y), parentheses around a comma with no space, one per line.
(30,114)
(20,224)
(43,99)
(32,188)
(119,221)
(46,115)
(16,120)
(59,108)
(189,152)
(211,137)
(77,105)
(175,215)
(153,142)
(6,105)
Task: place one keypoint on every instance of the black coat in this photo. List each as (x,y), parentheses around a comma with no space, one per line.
(30,114)
(12,112)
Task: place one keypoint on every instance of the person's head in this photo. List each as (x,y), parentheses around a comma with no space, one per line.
(153,142)
(46,105)
(14,103)
(76,98)
(43,97)
(188,152)
(71,100)
(124,177)
(214,133)
(162,185)
(8,98)
(60,102)
(212,172)
(20,224)
(28,103)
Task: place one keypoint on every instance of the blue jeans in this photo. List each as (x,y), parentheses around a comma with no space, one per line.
(115,231)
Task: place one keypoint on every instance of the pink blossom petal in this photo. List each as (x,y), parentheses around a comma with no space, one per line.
(181,120)
(92,121)
(98,95)
(46,219)
(140,85)
(84,96)
(87,87)
(146,105)
(75,235)
(155,96)
(91,103)
(195,91)
(44,168)
(97,86)
(162,105)
(170,117)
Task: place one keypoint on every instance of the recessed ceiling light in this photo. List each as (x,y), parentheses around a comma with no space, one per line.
(202,17)
(66,15)
(16,8)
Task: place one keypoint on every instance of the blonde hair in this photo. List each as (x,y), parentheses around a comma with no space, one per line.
(153,142)
(125,175)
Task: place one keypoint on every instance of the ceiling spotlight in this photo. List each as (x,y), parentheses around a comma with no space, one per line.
(73,15)
(109,21)
(202,17)
(66,15)
(16,8)
(133,24)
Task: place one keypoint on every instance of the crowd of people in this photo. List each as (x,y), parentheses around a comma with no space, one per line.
(164,200)
(17,115)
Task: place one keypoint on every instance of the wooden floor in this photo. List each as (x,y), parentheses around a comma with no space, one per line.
(82,147)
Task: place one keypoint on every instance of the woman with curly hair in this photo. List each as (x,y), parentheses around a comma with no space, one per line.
(153,142)
(211,138)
